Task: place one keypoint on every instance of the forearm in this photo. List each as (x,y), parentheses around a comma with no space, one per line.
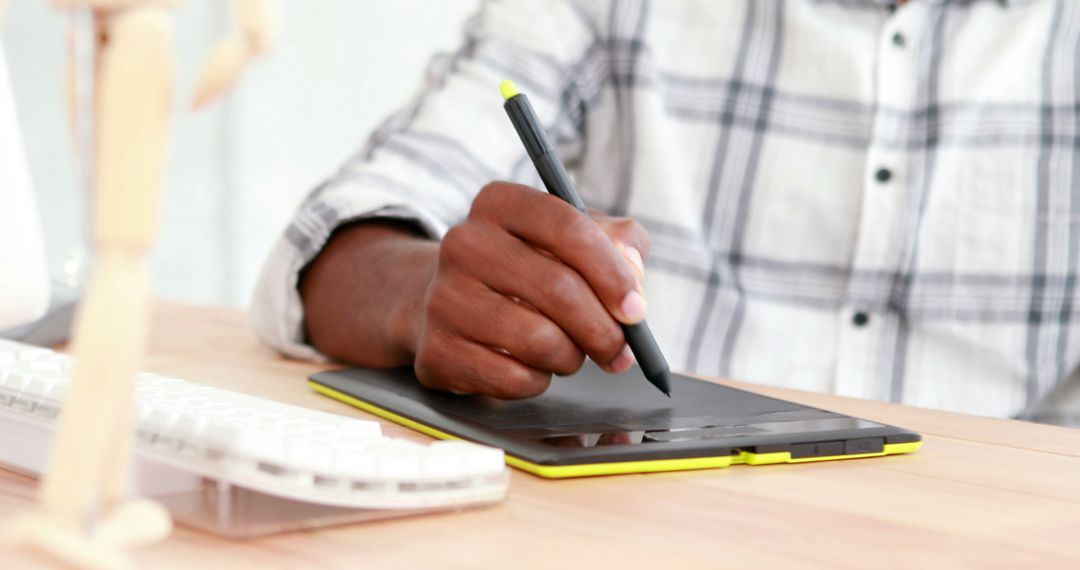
(363,295)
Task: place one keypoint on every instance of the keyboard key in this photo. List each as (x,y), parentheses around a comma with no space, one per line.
(400,465)
(441,464)
(355,463)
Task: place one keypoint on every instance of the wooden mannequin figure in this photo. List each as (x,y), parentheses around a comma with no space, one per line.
(85,517)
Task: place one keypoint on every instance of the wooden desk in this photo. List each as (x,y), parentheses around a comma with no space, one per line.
(982,493)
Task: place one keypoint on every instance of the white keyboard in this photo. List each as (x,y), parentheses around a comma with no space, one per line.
(270,447)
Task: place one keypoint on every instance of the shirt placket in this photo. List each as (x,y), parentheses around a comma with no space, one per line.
(867,327)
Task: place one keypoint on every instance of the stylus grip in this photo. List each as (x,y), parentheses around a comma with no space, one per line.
(647,352)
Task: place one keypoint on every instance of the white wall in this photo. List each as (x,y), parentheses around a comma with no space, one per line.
(238,170)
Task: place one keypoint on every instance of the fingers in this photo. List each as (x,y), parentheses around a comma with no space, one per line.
(552,225)
(514,269)
(525,287)
(447,362)
(623,230)
(629,237)
(501,324)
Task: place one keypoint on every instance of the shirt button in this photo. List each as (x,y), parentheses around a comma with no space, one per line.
(898,40)
(860,319)
(883,175)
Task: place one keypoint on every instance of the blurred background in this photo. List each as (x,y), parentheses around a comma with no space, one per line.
(238,169)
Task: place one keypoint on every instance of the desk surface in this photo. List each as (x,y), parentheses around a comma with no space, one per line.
(982,493)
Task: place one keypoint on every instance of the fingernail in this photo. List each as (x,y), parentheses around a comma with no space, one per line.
(624,361)
(633,256)
(633,307)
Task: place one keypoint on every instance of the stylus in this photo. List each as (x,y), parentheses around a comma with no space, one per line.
(553,173)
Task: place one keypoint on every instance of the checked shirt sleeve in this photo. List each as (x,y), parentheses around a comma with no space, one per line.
(427,162)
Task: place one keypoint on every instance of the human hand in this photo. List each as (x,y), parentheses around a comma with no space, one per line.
(526,287)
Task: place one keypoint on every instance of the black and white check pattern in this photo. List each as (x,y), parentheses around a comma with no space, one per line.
(843,196)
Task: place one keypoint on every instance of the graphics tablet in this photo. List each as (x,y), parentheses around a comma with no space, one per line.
(595,423)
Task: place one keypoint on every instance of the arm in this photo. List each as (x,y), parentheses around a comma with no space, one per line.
(362,292)
(378,294)
(426,164)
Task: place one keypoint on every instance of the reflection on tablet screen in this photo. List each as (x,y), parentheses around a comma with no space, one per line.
(594,435)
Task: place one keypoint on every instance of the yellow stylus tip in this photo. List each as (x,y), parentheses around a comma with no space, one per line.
(509,90)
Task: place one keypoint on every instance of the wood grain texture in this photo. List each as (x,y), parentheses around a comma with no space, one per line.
(982,493)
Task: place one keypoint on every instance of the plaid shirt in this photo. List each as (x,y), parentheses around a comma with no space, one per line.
(843,196)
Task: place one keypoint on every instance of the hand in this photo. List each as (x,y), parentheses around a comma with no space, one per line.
(526,287)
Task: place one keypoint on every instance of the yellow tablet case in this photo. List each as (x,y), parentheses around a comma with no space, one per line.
(703,426)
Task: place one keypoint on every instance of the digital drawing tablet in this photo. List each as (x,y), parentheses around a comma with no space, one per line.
(595,423)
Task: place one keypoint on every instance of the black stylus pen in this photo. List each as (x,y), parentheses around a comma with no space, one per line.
(558,182)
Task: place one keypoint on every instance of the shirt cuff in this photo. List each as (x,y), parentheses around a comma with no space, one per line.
(277,312)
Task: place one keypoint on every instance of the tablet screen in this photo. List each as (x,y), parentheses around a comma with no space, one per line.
(593,417)
(593,408)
